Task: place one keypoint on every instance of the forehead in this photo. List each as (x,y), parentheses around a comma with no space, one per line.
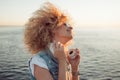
(64,22)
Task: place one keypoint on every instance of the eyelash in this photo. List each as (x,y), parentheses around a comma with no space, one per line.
(66,24)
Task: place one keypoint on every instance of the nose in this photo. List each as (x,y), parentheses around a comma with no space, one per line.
(70,27)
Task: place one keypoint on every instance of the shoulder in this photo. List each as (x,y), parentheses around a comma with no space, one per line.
(36,59)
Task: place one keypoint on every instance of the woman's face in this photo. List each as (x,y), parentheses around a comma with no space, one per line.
(64,32)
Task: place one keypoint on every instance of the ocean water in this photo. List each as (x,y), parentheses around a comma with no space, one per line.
(100,54)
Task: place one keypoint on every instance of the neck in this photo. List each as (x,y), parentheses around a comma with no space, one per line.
(62,40)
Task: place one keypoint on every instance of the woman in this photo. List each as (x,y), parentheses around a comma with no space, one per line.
(47,35)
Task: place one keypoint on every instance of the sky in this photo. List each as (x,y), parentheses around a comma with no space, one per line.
(85,13)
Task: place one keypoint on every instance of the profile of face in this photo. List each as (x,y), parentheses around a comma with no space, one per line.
(64,32)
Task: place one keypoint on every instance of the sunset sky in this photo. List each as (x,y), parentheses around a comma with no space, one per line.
(86,13)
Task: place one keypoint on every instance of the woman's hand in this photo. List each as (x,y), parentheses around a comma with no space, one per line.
(74,61)
(59,51)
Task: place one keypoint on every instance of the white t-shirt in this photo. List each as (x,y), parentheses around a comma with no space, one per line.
(39,61)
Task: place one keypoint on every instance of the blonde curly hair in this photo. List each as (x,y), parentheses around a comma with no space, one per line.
(39,28)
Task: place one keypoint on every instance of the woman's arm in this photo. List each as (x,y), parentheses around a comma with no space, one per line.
(75,75)
(74,65)
(41,73)
(62,71)
(59,54)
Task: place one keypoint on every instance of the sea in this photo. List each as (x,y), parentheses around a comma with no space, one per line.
(99,50)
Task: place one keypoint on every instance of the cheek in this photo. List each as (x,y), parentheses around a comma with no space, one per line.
(61,31)
(58,32)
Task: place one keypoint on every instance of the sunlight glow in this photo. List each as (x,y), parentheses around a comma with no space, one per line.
(86,13)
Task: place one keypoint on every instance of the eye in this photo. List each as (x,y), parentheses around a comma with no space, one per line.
(66,24)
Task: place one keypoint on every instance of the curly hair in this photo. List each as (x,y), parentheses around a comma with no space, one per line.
(39,28)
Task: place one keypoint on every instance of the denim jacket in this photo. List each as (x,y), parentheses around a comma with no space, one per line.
(51,63)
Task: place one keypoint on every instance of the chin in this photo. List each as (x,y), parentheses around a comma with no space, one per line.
(70,38)
(69,41)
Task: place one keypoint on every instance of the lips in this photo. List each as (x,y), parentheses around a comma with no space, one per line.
(67,30)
